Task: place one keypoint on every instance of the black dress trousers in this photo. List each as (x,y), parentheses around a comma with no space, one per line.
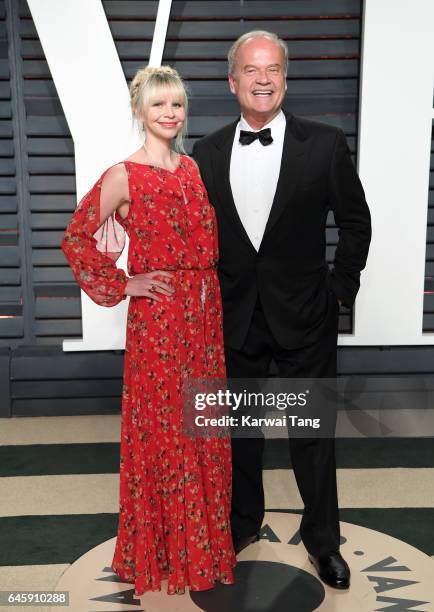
(313,460)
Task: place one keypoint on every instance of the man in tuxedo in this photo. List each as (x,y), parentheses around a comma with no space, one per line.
(272,178)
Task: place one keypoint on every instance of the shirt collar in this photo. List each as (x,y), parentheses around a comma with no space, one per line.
(279,120)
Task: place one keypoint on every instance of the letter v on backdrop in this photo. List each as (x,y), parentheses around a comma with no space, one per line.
(393,162)
(88,75)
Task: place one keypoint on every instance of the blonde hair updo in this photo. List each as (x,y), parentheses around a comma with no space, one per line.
(146,87)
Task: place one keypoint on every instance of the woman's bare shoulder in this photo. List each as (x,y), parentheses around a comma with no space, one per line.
(116,175)
(116,181)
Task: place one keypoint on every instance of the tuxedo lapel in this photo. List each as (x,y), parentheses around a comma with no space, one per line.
(294,156)
(221,161)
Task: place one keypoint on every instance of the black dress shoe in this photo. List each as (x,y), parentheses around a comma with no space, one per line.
(332,569)
(242,543)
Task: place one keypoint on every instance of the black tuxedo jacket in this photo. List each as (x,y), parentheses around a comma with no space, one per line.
(289,272)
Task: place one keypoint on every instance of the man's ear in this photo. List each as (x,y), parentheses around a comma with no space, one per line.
(231,80)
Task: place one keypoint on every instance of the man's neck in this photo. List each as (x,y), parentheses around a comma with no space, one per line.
(257,121)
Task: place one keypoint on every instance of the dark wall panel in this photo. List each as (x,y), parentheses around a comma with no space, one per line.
(11,289)
(428,303)
(323,75)
(322,84)
(39,300)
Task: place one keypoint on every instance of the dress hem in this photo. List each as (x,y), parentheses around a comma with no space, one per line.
(165,576)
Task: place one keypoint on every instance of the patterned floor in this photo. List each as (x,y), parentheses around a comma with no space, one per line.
(59,491)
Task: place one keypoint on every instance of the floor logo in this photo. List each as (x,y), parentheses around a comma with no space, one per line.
(273,575)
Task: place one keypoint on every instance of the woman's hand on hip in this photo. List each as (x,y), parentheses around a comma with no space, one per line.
(147,285)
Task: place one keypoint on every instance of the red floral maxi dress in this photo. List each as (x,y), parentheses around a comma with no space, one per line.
(175,491)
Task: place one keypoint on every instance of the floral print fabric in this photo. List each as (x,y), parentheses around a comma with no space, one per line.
(175,491)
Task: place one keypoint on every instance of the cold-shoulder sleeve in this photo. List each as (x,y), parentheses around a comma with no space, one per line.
(93,242)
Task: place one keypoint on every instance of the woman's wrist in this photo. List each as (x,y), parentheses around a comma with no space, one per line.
(125,287)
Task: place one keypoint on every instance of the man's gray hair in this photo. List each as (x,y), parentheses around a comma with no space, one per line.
(232,53)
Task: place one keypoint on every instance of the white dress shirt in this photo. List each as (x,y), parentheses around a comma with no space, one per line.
(254,171)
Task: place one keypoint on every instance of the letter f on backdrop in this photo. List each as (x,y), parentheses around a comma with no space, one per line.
(394,149)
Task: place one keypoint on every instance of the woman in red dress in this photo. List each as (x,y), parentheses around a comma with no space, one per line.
(175,491)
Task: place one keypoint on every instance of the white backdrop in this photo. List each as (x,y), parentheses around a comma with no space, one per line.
(394,149)
(396,113)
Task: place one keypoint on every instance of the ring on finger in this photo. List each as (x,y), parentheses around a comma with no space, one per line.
(152,288)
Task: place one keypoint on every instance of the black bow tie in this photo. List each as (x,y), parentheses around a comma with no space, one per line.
(264,136)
